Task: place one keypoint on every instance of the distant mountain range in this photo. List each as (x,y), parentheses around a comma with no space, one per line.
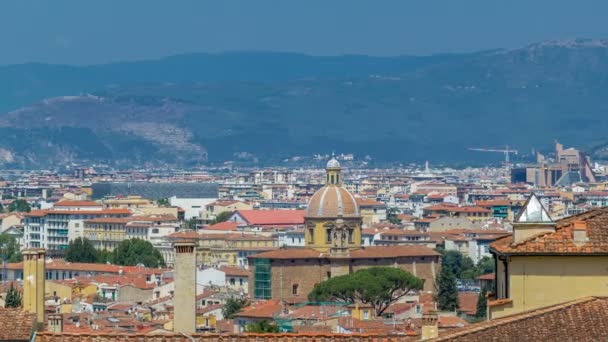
(190,109)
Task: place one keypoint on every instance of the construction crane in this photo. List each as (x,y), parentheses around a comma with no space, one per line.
(507,151)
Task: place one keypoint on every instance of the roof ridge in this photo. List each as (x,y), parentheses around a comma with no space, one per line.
(517,317)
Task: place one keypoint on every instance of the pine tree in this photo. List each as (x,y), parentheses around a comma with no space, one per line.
(446,291)
(482,303)
(13,298)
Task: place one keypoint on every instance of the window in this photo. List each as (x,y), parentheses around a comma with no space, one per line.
(155,231)
(350,236)
(366,314)
(241,281)
(294,289)
(328,235)
(328,274)
(232,281)
(311,235)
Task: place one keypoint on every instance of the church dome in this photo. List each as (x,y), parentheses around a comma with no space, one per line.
(333,164)
(332,201)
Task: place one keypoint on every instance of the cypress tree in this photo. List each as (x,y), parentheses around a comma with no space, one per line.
(13,298)
(446,291)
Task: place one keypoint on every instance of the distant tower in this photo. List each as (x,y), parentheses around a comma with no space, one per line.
(33,283)
(184,300)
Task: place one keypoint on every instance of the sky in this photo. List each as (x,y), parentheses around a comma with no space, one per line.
(102,31)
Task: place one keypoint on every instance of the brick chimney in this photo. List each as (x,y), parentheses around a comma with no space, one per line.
(430,330)
(33,283)
(55,323)
(184,299)
(579,232)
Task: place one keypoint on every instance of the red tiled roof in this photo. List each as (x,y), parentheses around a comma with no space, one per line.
(78,212)
(16,325)
(84,267)
(457,209)
(235,271)
(467,302)
(584,319)
(266,309)
(380,252)
(374,252)
(489,276)
(77,204)
(272,217)
(561,241)
(228,225)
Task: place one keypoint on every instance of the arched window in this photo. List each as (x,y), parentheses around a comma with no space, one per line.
(337,179)
(332,179)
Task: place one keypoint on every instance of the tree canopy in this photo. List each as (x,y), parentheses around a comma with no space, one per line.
(19,205)
(163,202)
(232,306)
(377,286)
(462,267)
(81,250)
(10,248)
(482,303)
(262,327)
(222,217)
(391,215)
(446,292)
(13,298)
(137,251)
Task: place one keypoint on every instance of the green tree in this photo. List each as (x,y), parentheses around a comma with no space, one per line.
(461,267)
(446,292)
(232,306)
(19,205)
(81,250)
(137,251)
(485,265)
(191,223)
(222,217)
(262,327)
(13,298)
(104,256)
(10,249)
(391,215)
(163,202)
(377,286)
(482,303)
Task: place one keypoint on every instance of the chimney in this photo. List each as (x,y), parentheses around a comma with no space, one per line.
(579,232)
(184,300)
(430,330)
(55,324)
(532,220)
(33,283)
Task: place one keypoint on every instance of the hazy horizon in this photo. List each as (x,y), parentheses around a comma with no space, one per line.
(78,33)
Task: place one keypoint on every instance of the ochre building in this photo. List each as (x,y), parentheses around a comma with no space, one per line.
(333,248)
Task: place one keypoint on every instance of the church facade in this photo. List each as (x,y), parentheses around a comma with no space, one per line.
(333,248)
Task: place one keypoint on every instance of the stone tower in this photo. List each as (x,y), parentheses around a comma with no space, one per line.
(33,283)
(184,299)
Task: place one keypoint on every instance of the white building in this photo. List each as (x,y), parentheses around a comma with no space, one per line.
(54,228)
(193,207)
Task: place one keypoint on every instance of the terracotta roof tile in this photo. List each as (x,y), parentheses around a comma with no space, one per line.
(584,319)
(16,325)
(561,241)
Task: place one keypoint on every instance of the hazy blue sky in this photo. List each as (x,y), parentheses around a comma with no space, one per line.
(80,31)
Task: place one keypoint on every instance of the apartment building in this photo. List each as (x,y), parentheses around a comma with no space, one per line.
(54,228)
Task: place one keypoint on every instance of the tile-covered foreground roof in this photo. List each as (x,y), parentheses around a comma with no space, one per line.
(16,325)
(279,337)
(584,319)
(595,222)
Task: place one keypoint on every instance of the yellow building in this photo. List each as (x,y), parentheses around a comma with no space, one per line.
(129,202)
(545,263)
(106,233)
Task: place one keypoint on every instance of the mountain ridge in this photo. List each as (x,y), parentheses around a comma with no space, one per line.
(393,109)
